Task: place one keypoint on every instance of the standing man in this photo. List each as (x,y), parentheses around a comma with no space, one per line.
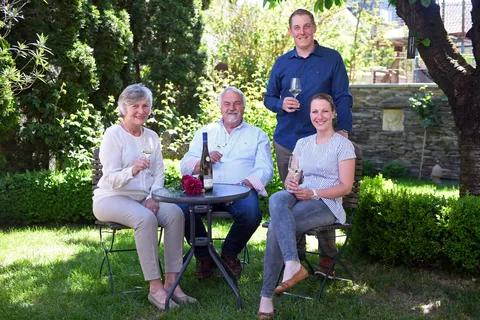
(240,154)
(321,70)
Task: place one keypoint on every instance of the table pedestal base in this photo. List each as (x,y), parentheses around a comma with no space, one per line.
(226,272)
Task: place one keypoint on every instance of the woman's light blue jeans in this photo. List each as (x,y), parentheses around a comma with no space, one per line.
(289,219)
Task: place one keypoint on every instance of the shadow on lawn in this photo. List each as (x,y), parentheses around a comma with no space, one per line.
(71,289)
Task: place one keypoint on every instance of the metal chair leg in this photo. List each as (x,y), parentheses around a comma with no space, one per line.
(106,251)
(246,255)
(336,259)
(162,273)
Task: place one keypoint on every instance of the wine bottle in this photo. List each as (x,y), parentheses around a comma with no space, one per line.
(206,172)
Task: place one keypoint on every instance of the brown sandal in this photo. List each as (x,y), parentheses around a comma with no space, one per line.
(265,315)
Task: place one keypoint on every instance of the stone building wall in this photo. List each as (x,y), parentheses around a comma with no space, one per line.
(387,128)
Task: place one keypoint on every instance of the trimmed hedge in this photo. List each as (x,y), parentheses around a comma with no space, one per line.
(66,197)
(398,226)
(54,197)
(45,197)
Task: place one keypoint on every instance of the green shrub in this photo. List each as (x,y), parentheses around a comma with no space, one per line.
(368,168)
(394,169)
(45,197)
(33,198)
(463,225)
(394,224)
(172,172)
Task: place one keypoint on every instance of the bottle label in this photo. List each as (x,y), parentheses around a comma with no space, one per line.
(207,158)
(207,183)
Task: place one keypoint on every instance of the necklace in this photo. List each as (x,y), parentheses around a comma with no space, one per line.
(124,126)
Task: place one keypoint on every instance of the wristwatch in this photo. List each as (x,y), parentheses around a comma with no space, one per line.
(243,184)
(315,195)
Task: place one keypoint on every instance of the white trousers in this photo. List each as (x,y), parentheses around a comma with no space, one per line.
(125,210)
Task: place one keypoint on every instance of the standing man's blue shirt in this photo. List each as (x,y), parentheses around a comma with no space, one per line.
(323,71)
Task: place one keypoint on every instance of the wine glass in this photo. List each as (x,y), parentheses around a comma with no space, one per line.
(295,87)
(147,150)
(221,141)
(294,167)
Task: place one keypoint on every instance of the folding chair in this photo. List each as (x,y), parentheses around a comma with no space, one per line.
(110,228)
(349,202)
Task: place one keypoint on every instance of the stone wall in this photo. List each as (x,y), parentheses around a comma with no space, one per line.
(387,128)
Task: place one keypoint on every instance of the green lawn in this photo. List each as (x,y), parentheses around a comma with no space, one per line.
(448,188)
(52,273)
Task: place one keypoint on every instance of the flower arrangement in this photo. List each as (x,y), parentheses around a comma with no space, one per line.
(191,185)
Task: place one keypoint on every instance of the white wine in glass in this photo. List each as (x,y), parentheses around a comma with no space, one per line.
(295,87)
(294,168)
(221,142)
(147,150)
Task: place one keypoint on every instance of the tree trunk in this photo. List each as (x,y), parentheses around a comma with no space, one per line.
(469,168)
(455,77)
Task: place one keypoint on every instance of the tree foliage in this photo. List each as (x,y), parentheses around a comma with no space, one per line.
(167,48)
(21,64)
(98,47)
(248,39)
(90,46)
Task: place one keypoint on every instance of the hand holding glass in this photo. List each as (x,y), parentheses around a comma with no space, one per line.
(294,169)
(147,150)
(295,87)
(220,142)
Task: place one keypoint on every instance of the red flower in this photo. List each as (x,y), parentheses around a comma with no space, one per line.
(192,186)
(185,178)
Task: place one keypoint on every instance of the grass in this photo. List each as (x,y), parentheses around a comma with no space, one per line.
(52,273)
(448,188)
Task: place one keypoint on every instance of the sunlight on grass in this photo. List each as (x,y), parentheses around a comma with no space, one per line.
(427,308)
(39,246)
(354,288)
(425,187)
(52,273)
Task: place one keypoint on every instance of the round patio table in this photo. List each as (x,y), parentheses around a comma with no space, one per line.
(221,193)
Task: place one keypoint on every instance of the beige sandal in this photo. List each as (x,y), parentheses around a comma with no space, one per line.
(183,299)
(160,305)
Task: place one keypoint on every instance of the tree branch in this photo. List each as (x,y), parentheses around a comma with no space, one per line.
(445,64)
(474,33)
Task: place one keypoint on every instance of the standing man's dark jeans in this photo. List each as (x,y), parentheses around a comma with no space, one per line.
(327,237)
(246,216)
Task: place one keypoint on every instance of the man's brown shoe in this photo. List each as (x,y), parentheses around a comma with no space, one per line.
(323,267)
(205,268)
(233,263)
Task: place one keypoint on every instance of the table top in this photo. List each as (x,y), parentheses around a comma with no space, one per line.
(221,193)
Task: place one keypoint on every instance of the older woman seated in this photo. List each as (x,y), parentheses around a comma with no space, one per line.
(328,162)
(132,161)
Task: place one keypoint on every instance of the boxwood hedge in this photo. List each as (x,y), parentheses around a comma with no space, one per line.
(396,225)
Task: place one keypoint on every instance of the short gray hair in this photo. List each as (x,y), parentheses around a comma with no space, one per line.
(232,89)
(131,95)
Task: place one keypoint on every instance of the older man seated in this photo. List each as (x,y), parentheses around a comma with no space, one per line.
(240,154)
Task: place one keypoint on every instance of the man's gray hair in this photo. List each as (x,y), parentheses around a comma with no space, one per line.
(131,95)
(232,89)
